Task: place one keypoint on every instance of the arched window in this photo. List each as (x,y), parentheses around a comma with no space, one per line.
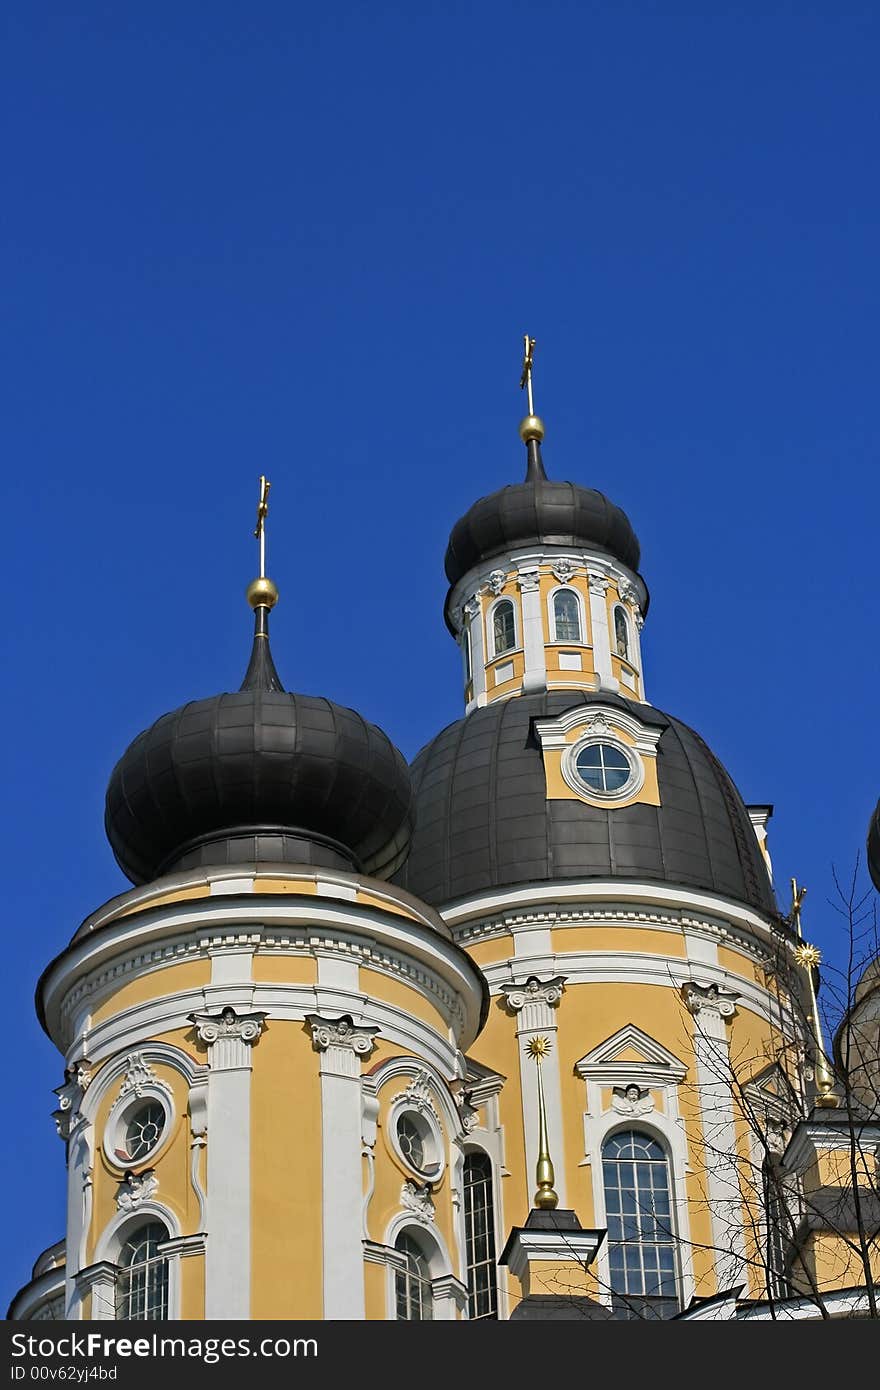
(641,1243)
(503,627)
(621,634)
(142,1281)
(479,1222)
(566,616)
(413,1284)
(777,1230)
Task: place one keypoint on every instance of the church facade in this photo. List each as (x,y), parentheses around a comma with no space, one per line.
(518,1031)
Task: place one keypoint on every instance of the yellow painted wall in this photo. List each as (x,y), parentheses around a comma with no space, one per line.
(174,978)
(378,985)
(647,940)
(286,1191)
(280,968)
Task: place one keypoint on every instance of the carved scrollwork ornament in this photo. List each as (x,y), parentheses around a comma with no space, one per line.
(534,991)
(632,1100)
(211,1028)
(496,581)
(341,1032)
(528,581)
(598,583)
(565,569)
(135,1189)
(418,1094)
(709,999)
(417,1199)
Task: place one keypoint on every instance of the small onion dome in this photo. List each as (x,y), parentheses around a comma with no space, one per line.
(539,510)
(874,847)
(259,776)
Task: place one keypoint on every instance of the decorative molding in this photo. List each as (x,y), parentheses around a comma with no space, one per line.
(534,999)
(369,1131)
(418,1095)
(598,582)
(528,581)
(136,1188)
(711,1005)
(496,581)
(228,1036)
(655,1065)
(342,1043)
(417,1199)
(471,609)
(632,1100)
(564,569)
(139,1077)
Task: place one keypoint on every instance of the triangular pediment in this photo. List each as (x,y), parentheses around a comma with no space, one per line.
(631,1054)
(772,1086)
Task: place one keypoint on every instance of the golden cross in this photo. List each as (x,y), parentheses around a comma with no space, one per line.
(528,360)
(262,513)
(797,897)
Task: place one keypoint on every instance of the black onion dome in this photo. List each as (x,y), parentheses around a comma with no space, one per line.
(483,820)
(259,776)
(874,847)
(539,510)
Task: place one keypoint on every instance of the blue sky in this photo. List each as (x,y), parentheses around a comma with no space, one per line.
(307,240)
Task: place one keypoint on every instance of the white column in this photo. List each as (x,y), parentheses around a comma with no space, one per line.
(534,1002)
(712,1009)
(230,1038)
(342,1046)
(473,616)
(599,631)
(534,652)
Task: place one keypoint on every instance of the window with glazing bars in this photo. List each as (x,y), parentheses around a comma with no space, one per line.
(641,1243)
(413,1284)
(503,627)
(142,1281)
(479,1220)
(566,617)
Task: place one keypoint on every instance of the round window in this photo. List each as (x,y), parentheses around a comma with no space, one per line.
(600,768)
(144,1130)
(417,1143)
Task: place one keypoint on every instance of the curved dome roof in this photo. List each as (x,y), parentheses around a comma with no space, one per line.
(260,775)
(539,510)
(874,847)
(483,820)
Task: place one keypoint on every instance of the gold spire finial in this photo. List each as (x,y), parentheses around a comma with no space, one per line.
(262,593)
(546,1199)
(809,957)
(532,427)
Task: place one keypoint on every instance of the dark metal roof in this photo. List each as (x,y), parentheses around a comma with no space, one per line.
(538,510)
(259,776)
(874,847)
(483,820)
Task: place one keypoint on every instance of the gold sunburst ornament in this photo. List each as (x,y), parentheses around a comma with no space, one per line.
(545,1199)
(808,957)
(538,1048)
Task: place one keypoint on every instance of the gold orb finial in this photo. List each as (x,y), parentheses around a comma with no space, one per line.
(262,593)
(531,427)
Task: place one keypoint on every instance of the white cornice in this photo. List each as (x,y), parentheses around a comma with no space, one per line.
(369,935)
(616,893)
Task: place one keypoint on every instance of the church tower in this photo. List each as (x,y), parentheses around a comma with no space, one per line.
(518,1031)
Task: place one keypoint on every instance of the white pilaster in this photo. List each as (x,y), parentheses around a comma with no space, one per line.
(473,616)
(534,651)
(534,1002)
(230,1039)
(342,1046)
(599,627)
(712,1009)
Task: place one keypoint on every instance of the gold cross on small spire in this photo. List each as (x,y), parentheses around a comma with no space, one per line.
(797,897)
(262,513)
(528,360)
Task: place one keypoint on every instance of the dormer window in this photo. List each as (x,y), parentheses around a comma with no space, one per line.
(503,627)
